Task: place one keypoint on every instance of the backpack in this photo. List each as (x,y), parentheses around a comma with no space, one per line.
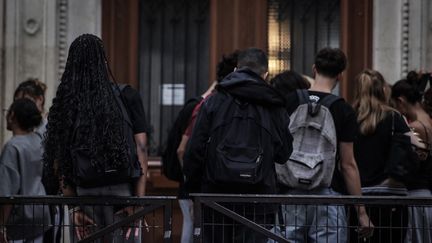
(87,176)
(312,163)
(240,146)
(171,167)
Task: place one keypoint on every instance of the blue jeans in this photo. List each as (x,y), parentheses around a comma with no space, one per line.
(419,220)
(313,223)
(186,206)
(107,215)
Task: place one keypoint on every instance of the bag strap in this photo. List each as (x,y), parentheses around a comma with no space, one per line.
(329,100)
(427,135)
(392,127)
(120,99)
(303,96)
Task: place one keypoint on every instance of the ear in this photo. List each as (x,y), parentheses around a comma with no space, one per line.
(40,101)
(10,116)
(314,71)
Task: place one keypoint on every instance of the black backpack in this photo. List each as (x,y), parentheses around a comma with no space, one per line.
(240,147)
(86,175)
(170,164)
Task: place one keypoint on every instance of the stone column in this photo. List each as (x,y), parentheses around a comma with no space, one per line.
(402,29)
(2,79)
(428,35)
(387,38)
(419,31)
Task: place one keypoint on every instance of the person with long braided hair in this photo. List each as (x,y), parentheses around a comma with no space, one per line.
(89,111)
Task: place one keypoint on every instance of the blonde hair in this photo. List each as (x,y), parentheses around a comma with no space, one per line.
(371,101)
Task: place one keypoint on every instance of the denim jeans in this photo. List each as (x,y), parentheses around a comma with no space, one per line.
(106,215)
(186,206)
(313,223)
(419,220)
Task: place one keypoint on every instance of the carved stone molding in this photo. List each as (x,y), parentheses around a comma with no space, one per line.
(405,37)
(62,23)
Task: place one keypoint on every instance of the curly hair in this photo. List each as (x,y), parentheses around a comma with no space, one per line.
(226,65)
(84,113)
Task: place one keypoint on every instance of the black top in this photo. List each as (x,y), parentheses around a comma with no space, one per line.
(371,151)
(345,123)
(135,109)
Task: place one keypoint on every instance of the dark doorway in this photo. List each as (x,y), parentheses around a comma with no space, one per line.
(173,60)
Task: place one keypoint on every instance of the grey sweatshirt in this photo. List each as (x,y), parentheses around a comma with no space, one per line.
(21,169)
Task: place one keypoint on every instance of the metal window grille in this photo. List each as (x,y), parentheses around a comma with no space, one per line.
(173,60)
(297,29)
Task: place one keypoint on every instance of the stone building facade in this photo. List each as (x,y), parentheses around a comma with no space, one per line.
(35,36)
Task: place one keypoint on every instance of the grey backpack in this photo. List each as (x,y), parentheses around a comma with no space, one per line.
(313,159)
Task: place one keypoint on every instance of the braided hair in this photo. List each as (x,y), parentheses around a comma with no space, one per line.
(84,113)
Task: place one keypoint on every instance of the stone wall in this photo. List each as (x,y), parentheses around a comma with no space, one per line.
(402,29)
(34,39)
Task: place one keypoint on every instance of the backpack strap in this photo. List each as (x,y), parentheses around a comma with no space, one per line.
(329,100)
(303,96)
(124,108)
(122,86)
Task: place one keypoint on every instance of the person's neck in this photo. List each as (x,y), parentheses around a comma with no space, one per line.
(323,84)
(18,131)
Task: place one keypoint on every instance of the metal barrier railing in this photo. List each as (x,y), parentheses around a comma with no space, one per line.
(148,217)
(307,218)
(229,218)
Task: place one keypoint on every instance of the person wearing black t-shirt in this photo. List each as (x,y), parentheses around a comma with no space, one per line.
(328,67)
(377,122)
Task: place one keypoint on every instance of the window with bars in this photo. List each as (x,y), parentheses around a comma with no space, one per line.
(173,60)
(297,29)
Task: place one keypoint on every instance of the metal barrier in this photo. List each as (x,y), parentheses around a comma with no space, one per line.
(230,218)
(31,216)
(287,218)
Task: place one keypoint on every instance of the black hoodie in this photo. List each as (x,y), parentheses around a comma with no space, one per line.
(246,86)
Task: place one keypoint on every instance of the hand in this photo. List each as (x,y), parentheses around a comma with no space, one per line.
(82,223)
(137,225)
(366,227)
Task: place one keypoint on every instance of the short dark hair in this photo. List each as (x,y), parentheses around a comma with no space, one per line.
(289,81)
(330,62)
(26,113)
(255,59)
(227,65)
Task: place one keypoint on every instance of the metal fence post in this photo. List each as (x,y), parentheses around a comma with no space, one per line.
(197,234)
(167,222)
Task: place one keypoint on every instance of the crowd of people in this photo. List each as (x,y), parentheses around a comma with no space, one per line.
(247,134)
